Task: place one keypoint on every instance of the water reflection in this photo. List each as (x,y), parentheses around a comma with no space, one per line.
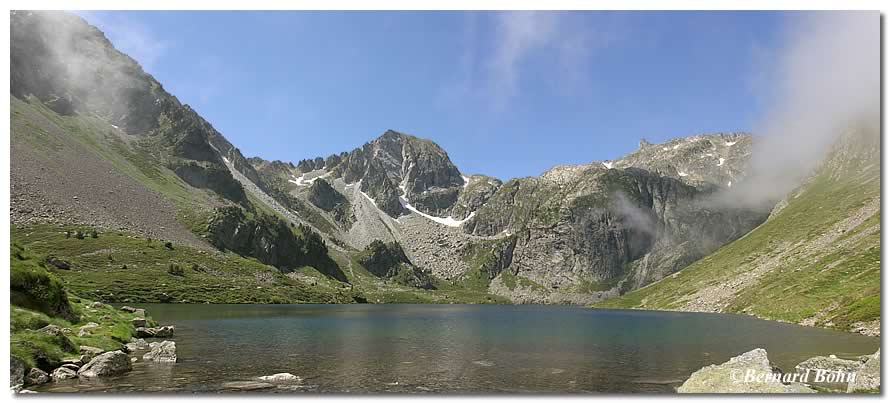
(459,348)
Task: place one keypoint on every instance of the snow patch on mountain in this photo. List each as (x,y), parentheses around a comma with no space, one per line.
(447,221)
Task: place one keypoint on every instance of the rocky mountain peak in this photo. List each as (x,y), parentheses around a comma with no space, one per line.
(717,159)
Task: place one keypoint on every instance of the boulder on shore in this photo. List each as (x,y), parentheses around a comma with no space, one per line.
(36,377)
(750,372)
(59,334)
(868,376)
(106,364)
(164,351)
(89,352)
(135,344)
(62,373)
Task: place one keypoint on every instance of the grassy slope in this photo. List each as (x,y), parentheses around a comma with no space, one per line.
(123,268)
(834,284)
(38,349)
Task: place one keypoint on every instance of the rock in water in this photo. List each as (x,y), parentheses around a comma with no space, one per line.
(283,377)
(36,377)
(164,351)
(16,372)
(750,372)
(63,373)
(163,331)
(868,377)
(106,364)
(135,344)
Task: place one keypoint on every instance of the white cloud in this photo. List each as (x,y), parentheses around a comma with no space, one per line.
(499,47)
(129,36)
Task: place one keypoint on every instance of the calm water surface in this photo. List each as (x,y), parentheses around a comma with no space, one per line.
(458,348)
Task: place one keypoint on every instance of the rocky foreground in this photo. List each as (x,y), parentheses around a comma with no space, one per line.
(94,362)
(752,372)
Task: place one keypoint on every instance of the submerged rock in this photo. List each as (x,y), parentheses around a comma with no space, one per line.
(868,377)
(163,331)
(164,351)
(247,385)
(283,377)
(106,364)
(750,372)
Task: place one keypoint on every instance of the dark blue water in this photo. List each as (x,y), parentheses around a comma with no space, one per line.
(459,348)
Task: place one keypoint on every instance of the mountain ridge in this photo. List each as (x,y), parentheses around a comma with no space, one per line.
(574,234)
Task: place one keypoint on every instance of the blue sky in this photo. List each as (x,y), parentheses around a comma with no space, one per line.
(507,94)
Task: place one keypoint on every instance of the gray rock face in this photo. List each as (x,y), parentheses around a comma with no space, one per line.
(388,260)
(750,372)
(474,194)
(397,164)
(868,376)
(16,372)
(589,229)
(701,160)
(325,197)
(36,377)
(828,364)
(106,364)
(164,351)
